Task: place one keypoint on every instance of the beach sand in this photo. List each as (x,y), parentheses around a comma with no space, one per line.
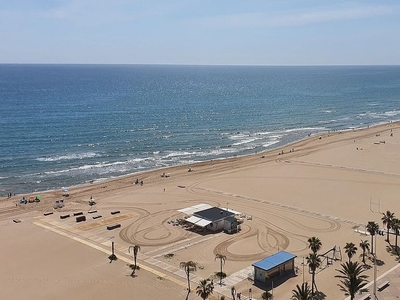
(330,186)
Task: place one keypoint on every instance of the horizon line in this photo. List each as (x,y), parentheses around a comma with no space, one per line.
(216,65)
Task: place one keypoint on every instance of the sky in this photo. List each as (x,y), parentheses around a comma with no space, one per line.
(201,32)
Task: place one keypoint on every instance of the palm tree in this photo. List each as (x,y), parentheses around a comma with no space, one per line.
(188,266)
(313,262)
(314,244)
(372,228)
(135,250)
(222,259)
(351,250)
(303,292)
(364,245)
(396,229)
(352,279)
(387,219)
(205,288)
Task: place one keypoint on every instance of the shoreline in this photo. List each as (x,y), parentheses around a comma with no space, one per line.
(326,187)
(377,127)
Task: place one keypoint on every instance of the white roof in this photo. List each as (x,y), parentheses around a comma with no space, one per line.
(203,223)
(232,211)
(198,221)
(195,208)
(193,219)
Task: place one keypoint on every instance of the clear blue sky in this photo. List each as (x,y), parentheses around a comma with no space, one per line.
(259,32)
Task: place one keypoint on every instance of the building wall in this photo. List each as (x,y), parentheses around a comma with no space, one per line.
(217,225)
(262,275)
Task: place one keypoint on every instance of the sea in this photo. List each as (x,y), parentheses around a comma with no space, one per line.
(68,125)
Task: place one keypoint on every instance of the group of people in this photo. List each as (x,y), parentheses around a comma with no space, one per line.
(137,182)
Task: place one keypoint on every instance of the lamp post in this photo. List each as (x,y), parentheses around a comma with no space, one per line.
(250,296)
(375,269)
(112,244)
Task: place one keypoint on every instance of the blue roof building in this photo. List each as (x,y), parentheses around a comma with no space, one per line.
(276,265)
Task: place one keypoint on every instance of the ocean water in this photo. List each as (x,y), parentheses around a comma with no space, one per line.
(65,125)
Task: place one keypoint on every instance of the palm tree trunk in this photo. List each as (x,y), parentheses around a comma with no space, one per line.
(388,234)
(135,261)
(220,275)
(372,244)
(188,279)
(313,283)
(363,260)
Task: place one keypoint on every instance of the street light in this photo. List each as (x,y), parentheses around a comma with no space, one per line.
(375,269)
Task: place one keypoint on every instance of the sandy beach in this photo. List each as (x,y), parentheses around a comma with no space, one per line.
(328,186)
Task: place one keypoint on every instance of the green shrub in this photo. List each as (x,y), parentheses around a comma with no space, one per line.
(220,275)
(266,295)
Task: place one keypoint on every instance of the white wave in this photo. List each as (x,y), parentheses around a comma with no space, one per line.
(276,136)
(97,165)
(245,141)
(392,113)
(328,121)
(305,129)
(376,115)
(173,154)
(69,156)
(263,133)
(270,143)
(238,136)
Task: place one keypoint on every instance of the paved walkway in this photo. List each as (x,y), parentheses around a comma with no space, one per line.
(390,292)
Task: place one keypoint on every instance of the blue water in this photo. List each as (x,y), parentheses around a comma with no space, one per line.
(64,125)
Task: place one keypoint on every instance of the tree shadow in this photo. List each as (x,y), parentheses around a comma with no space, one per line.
(378,261)
(320,295)
(367,267)
(132,267)
(393,250)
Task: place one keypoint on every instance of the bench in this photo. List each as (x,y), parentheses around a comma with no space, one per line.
(96,217)
(80,219)
(48,213)
(64,216)
(17,221)
(78,214)
(365,297)
(92,211)
(115,212)
(111,227)
(383,285)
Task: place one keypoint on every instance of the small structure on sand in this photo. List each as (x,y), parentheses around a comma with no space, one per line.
(59,204)
(273,267)
(212,218)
